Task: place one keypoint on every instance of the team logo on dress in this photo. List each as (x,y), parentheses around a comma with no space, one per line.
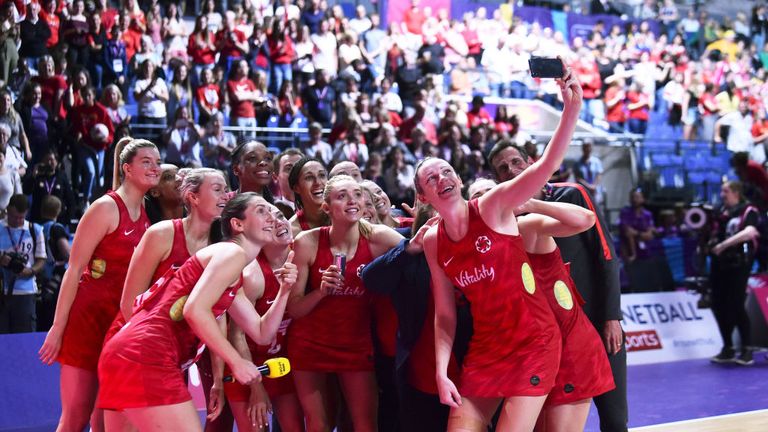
(177,310)
(529,282)
(483,244)
(98,267)
(360,271)
(563,295)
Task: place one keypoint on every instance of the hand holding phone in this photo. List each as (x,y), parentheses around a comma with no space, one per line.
(546,67)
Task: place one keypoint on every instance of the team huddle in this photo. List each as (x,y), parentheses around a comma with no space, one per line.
(374,322)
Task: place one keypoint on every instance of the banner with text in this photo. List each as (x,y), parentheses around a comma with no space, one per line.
(668,326)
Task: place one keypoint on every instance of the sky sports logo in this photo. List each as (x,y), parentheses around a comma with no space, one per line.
(643,340)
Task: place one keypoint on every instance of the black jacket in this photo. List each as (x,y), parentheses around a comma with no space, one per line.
(594,264)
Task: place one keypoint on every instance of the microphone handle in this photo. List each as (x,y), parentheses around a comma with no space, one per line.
(263,369)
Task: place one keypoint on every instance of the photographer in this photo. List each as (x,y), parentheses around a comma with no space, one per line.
(47,179)
(23,246)
(732,248)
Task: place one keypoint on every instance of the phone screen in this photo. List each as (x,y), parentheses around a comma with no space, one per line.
(544,67)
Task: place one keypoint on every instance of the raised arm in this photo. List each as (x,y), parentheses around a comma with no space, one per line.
(498,204)
(560,219)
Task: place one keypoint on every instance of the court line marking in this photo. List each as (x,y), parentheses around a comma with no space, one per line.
(683,422)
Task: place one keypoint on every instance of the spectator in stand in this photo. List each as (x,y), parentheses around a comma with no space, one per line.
(586,70)
(115,59)
(690,26)
(57,251)
(231,43)
(10,181)
(588,170)
(243,95)
(478,115)
(34,34)
(497,62)
(97,41)
(281,55)
(183,141)
(152,95)
(17,312)
(9,55)
(398,178)
(320,100)
(352,148)
(360,23)
(201,47)
(90,142)
(413,19)
(754,178)
(317,148)
(49,179)
(410,80)
(709,112)
(34,118)
(314,15)
(79,79)
(286,197)
(375,43)
(208,97)
(74,31)
(213,18)
(636,228)
(9,116)
(669,16)
(391,100)
(112,100)
(217,144)
(174,35)
(287,105)
(50,16)
(52,86)
(326,54)
(739,130)
(638,108)
(287,11)
(418,120)
(180,91)
(615,103)
(726,45)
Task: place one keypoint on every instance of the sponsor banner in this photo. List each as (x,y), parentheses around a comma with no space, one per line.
(668,326)
(759,286)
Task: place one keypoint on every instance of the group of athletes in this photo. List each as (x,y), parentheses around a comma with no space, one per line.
(139,304)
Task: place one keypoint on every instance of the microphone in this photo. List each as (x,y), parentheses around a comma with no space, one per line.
(273,368)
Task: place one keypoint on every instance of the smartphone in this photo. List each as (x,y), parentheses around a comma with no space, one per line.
(546,67)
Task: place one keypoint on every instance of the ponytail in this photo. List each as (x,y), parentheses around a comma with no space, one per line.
(125,150)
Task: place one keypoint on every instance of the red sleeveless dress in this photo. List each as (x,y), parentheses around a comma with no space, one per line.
(336,335)
(510,353)
(98,293)
(179,253)
(143,364)
(584,368)
(261,353)
(302,220)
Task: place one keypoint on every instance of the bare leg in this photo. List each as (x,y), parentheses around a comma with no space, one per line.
(243,421)
(78,396)
(567,418)
(165,418)
(116,421)
(312,389)
(289,414)
(360,393)
(474,414)
(519,413)
(97,420)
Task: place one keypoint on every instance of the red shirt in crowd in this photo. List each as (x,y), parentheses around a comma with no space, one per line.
(209,96)
(409,124)
(615,113)
(200,55)
(478,118)
(84,118)
(281,53)
(473,41)
(589,76)
(225,39)
(243,109)
(132,40)
(638,113)
(414,20)
(49,87)
(108,19)
(755,174)
(54,23)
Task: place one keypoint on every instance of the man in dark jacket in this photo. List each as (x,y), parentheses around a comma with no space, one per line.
(594,269)
(34,34)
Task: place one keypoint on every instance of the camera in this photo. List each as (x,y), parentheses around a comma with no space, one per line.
(18,261)
(700,285)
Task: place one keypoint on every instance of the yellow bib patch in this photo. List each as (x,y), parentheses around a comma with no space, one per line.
(563,295)
(98,268)
(529,282)
(177,310)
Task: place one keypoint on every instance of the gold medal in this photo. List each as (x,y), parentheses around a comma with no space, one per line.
(563,295)
(98,267)
(177,310)
(529,282)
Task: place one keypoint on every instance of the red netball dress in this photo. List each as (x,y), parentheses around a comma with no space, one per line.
(302,220)
(143,364)
(336,335)
(179,253)
(261,353)
(584,368)
(510,352)
(98,294)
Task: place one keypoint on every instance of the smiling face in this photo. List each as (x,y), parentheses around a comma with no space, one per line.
(311,183)
(167,189)
(369,209)
(344,200)
(281,234)
(437,181)
(259,223)
(381,199)
(144,169)
(211,197)
(254,169)
(284,170)
(508,164)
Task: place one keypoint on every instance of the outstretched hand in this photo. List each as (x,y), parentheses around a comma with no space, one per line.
(416,244)
(288,273)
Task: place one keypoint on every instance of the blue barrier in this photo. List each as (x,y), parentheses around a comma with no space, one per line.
(29,390)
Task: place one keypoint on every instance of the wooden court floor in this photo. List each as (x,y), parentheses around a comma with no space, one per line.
(753,421)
